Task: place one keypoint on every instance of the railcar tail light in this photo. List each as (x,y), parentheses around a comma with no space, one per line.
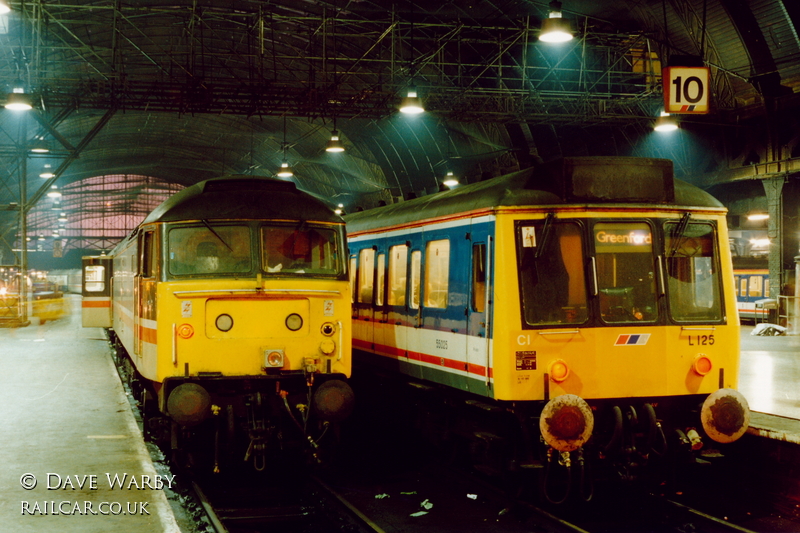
(273,358)
(559,371)
(702,364)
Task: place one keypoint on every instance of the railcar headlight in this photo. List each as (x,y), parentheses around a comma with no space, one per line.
(273,358)
(328,329)
(224,322)
(294,322)
(702,364)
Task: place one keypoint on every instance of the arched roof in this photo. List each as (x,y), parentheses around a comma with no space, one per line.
(187,90)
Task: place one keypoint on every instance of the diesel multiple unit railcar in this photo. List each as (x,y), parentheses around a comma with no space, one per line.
(230,308)
(577,313)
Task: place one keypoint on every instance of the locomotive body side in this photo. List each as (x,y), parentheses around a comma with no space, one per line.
(218,329)
(562,300)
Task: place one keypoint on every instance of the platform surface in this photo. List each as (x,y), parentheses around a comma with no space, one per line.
(66,421)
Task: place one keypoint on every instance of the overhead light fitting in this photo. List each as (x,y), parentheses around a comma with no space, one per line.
(411,103)
(450,180)
(4,8)
(554,28)
(758,216)
(665,123)
(62,217)
(54,192)
(285,171)
(47,175)
(18,101)
(334,144)
(39,146)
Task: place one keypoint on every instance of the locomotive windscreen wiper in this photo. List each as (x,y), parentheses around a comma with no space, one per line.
(206,224)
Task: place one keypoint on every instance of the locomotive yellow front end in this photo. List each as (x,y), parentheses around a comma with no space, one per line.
(242,344)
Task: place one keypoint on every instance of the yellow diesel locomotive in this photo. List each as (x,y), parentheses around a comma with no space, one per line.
(577,316)
(229,306)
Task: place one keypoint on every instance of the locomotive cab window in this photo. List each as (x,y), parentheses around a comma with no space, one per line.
(626,279)
(209,250)
(303,249)
(693,280)
(551,273)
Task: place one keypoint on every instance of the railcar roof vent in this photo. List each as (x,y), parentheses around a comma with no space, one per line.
(248,183)
(607,179)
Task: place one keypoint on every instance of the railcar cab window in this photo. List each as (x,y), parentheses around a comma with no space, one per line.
(209,249)
(626,270)
(693,280)
(551,273)
(303,249)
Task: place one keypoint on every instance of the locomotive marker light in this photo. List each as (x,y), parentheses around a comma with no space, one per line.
(559,371)
(224,322)
(294,322)
(566,422)
(725,415)
(188,404)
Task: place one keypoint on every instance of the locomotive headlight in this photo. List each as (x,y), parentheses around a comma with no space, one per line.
(224,322)
(559,371)
(294,322)
(273,358)
(702,364)
(328,329)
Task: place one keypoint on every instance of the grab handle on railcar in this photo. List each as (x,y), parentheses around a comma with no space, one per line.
(661,276)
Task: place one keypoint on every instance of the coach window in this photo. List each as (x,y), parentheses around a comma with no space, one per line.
(743,285)
(95,278)
(693,281)
(437,272)
(479,277)
(551,272)
(398,270)
(381,278)
(366,275)
(416,269)
(755,286)
(736,284)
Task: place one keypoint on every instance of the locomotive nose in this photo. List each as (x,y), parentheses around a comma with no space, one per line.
(725,415)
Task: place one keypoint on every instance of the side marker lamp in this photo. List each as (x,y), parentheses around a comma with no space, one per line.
(702,365)
(559,371)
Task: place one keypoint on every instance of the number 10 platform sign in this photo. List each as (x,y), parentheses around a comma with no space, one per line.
(685,89)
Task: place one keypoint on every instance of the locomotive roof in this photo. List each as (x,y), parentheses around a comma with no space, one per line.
(242,197)
(566,181)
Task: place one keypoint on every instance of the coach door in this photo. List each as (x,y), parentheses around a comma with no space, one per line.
(365,297)
(478,308)
(96,292)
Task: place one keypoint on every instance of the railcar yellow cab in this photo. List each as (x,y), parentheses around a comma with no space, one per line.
(590,297)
